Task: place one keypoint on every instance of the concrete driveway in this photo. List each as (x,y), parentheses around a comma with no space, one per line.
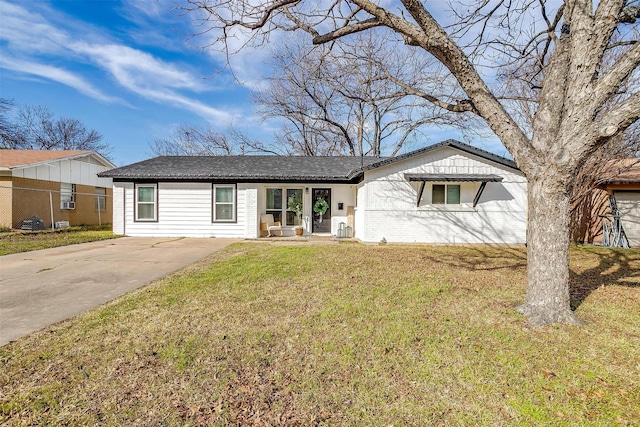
(43,287)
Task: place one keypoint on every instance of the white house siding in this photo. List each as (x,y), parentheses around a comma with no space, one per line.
(77,171)
(184,210)
(387,203)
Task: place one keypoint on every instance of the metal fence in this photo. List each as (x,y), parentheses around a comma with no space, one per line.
(42,208)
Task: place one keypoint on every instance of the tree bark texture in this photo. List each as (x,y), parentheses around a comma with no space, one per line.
(547,291)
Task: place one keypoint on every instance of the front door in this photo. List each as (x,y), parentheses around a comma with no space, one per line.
(321,210)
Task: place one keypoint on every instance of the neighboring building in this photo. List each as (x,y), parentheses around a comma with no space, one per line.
(55,186)
(623,183)
(445,193)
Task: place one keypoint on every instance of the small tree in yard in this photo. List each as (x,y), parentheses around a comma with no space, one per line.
(580,102)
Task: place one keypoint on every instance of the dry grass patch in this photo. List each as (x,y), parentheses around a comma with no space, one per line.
(12,242)
(343,335)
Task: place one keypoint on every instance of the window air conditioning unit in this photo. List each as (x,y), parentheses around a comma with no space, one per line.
(68,205)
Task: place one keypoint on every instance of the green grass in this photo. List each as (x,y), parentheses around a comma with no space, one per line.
(344,335)
(12,242)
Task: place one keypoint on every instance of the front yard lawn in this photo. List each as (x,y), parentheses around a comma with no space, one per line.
(12,242)
(346,335)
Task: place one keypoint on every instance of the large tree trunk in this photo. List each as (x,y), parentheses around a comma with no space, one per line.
(547,296)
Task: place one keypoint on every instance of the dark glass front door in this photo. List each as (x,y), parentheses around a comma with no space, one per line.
(321,202)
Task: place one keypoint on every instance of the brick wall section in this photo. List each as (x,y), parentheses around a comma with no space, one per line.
(6,200)
(85,212)
(30,197)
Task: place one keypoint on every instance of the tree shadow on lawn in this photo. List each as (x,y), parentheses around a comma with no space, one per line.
(479,258)
(614,268)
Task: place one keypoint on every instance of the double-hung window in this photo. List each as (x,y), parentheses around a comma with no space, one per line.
(445,194)
(146,202)
(224,203)
(67,196)
(274,203)
(285,204)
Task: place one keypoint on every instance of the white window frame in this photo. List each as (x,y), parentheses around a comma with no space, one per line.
(233,203)
(446,195)
(67,194)
(284,208)
(154,203)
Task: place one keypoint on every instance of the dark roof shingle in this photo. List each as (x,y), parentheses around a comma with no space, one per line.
(250,168)
(274,168)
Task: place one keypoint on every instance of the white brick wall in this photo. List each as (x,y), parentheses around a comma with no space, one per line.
(119,206)
(387,203)
(252,219)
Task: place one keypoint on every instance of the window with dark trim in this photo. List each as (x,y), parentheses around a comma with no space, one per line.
(146,202)
(281,203)
(445,194)
(224,203)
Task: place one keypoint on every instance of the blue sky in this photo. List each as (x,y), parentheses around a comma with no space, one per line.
(125,69)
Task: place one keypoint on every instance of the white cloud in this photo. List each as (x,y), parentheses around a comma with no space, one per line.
(156,10)
(137,71)
(58,75)
(29,32)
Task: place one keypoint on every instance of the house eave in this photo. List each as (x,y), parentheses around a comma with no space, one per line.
(244,179)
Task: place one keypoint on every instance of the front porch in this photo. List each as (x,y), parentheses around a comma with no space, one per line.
(322,211)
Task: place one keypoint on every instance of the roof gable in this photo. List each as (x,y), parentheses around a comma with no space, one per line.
(14,159)
(447,143)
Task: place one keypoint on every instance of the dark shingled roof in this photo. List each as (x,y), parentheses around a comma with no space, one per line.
(274,168)
(244,168)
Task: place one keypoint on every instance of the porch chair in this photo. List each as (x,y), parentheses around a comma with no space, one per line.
(268,224)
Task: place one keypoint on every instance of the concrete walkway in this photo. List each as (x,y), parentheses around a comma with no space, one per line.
(43,287)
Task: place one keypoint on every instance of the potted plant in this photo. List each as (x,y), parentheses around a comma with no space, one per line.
(295,204)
